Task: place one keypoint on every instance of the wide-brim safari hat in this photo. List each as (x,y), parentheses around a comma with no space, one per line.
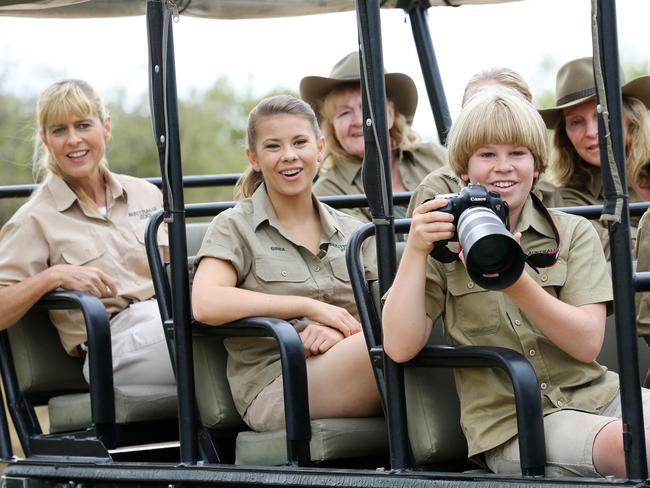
(575,84)
(400,88)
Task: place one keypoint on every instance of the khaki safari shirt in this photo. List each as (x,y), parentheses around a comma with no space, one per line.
(444,180)
(475,316)
(642,254)
(52,228)
(592,194)
(344,176)
(268,260)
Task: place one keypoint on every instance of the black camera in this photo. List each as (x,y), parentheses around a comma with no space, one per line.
(493,257)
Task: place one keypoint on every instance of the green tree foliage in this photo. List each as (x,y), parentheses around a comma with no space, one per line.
(212,122)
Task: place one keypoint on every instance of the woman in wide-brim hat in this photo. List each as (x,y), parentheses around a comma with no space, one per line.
(337,101)
(575,158)
(575,153)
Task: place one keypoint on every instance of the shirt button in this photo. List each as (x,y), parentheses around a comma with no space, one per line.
(544,278)
(532,352)
(470,285)
(560,403)
(543,386)
(316,268)
(283,273)
(326,297)
(517,322)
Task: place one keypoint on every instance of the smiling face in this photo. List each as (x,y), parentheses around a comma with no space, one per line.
(347,120)
(78,144)
(287,152)
(504,168)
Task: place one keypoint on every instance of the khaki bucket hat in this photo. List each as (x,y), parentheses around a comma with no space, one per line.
(575,84)
(400,88)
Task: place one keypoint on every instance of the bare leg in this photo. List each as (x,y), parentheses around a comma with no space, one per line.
(608,455)
(341,381)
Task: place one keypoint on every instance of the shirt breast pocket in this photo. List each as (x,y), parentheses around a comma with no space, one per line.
(471,309)
(84,253)
(282,276)
(552,279)
(340,269)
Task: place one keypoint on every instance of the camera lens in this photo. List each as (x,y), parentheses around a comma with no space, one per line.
(494,259)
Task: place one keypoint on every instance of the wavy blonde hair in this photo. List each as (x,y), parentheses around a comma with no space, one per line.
(496,115)
(401,135)
(250,180)
(569,170)
(59,101)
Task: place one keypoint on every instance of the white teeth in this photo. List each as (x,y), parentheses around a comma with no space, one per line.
(77,154)
(503,184)
(291,172)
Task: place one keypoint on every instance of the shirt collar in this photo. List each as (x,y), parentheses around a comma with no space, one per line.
(595,187)
(263,211)
(64,197)
(532,218)
(350,166)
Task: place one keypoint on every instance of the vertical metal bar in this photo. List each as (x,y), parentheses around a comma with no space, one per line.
(164,107)
(430,70)
(619,236)
(377,185)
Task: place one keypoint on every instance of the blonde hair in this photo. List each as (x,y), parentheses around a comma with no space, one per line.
(401,135)
(496,116)
(250,180)
(569,170)
(59,101)
(499,76)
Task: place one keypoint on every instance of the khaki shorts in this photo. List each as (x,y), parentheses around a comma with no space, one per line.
(266,412)
(140,353)
(570,436)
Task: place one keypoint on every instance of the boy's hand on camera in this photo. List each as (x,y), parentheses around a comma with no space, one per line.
(429,226)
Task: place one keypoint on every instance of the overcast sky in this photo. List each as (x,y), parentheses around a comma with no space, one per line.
(533,37)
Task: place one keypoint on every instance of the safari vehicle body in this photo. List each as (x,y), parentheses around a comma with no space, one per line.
(94,455)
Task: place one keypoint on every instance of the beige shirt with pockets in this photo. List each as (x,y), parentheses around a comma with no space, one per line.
(475,316)
(268,260)
(345,177)
(52,228)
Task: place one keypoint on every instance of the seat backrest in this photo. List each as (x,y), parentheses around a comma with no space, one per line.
(40,362)
(432,408)
(609,355)
(213,396)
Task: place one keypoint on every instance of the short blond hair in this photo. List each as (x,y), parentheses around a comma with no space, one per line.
(496,116)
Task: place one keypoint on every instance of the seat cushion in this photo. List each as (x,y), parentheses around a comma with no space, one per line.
(133,403)
(213,396)
(330,439)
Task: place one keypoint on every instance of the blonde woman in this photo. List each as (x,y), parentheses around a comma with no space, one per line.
(337,101)
(280,253)
(83,230)
(575,153)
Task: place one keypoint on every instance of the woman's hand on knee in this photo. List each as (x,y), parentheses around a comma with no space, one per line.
(318,338)
(335,317)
